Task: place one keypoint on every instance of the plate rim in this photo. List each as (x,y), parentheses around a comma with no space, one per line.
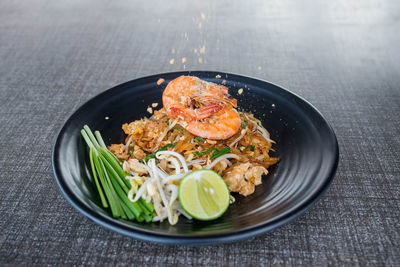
(214,238)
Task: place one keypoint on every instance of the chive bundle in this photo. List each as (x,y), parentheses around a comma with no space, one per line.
(111,183)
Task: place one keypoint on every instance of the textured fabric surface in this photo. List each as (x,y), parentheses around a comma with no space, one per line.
(342,56)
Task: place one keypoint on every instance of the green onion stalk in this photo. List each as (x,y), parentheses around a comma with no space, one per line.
(111,183)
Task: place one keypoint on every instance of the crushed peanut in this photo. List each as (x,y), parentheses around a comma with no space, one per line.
(160,81)
(183,60)
(218,76)
(240,91)
(224,82)
(203,49)
(273,105)
(172,61)
(150,110)
(200,60)
(106,118)
(154,105)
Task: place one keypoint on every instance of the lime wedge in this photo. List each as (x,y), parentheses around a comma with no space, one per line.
(204,195)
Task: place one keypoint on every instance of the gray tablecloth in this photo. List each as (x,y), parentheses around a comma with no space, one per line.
(342,56)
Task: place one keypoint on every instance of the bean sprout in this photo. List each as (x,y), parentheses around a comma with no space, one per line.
(242,134)
(175,163)
(172,125)
(175,177)
(160,189)
(196,161)
(265,133)
(141,190)
(128,143)
(226,156)
(179,156)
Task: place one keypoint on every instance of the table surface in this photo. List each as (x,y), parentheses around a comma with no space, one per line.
(342,56)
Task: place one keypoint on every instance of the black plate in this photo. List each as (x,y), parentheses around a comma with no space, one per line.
(306,145)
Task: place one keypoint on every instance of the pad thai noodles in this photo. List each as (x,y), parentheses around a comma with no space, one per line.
(198,127)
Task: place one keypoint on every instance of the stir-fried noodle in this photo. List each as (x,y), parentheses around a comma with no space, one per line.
(158,152)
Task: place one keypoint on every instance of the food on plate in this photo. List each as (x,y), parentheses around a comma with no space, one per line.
(187,157)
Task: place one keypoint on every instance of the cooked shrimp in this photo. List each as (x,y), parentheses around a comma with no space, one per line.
(203,108)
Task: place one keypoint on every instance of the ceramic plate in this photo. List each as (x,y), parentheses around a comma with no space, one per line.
(305,144)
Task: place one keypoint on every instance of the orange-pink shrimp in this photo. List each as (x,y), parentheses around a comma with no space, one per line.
(203,108)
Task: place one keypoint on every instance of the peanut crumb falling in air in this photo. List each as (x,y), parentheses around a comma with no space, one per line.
(106,118)
(150,110)
(200,60)
(183,60)
(218,76)
(160,81)
(224,82)
(273,105)
(154,105)
(240,91)
(172,61)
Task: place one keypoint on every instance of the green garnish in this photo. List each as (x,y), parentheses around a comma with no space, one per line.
(153,155)
(130,152)
(252,147)
(205,152)
(110,181)
(243,124)
(220,152)
(168,121)
(198,139)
